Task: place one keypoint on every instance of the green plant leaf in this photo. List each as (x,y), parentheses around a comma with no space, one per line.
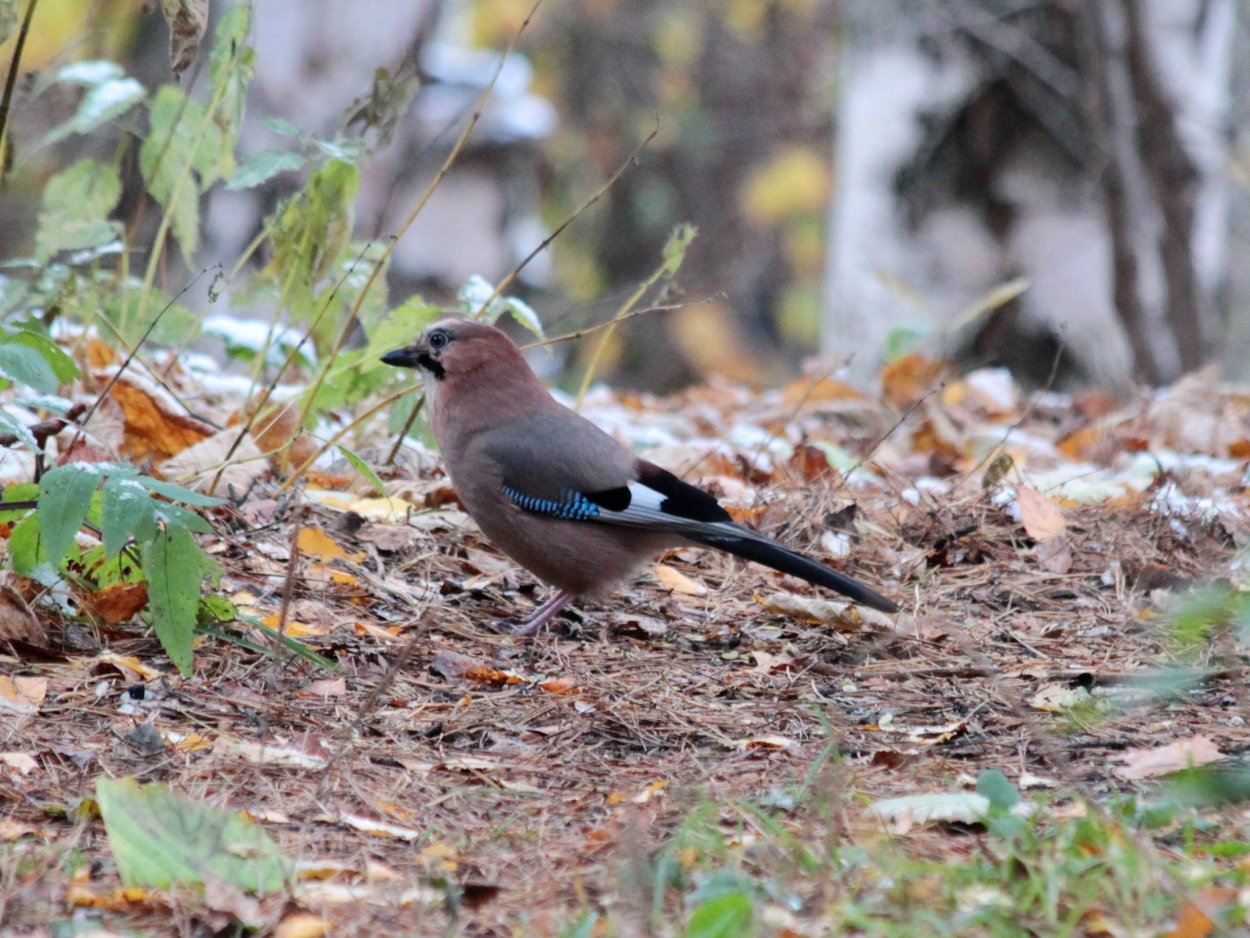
(76,205)
(179,155)
(364,469)
(26,547)
(177,493)
(103,102)
(997,790)
(27,366)
(127,511)
(174,566)
(399,327)
(63,366)
(675,248)
(10,424)
(64,500)
(730,915)
(262,167)
(160,838)
(21,492)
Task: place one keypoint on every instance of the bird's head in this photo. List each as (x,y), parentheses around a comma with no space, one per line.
(451,344)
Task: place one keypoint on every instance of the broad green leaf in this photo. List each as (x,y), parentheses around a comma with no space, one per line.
(994,786)
(161,838)
(675,248)
(364,469)
(230,66)
(76,205)
(179,156)
(179,517)
(102,103)
(25,365)
(127,511)
(904,340)
(64,500)
(727,916)
(262,167)
(10,424)
(26,547)
(177,493)
(308,240)
(21,492)
(62,365)
(174,566)
(523,313)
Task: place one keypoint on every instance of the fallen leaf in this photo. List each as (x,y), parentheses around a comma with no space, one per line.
(155,430)
(17,622)
(302,925)
(843,616)
(675,581)
(1164,760)
(1054,554)
(1040,517)
(20,762)
(222,464)
(315,543)
(327,687)
(909,378)
(22,694)
(116,604)
(279,754)
(379,828)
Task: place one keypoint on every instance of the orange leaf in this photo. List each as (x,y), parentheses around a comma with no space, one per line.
(906,380)
(116,604)
(152,432)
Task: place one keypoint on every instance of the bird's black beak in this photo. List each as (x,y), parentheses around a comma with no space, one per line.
(406,357)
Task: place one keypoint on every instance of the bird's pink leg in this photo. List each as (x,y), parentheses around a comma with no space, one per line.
(538,619)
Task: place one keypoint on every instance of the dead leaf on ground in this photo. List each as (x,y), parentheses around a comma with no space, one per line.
(1040,517)
(843,616)
(116,604)
(675,581)
(17,623)
(155,430)
(454,665)
(909,378)
(22,694)
(1164,760)
(315,543)
(222,463)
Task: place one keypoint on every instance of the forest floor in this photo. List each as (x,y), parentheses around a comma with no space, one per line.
(717,750)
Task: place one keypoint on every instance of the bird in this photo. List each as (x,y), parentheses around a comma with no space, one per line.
(559,495)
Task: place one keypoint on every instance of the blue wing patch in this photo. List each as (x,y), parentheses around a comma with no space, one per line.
(575,507)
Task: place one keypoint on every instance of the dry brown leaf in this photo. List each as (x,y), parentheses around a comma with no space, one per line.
(1164,760)
(291,755)
(154,431)
(675,581)
(17,623)
(772,743)
(840,615)
(115,604)
(1040,517)
(1054,554)
(804,392)
(22,694)
(222,463)
(327,687)
(454,665)
(906,380)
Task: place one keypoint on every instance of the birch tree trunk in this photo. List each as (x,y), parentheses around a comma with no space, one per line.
(1080,145)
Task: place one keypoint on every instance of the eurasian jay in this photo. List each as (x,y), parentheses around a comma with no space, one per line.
(557,494)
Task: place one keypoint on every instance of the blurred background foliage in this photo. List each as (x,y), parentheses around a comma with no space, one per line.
(739,95)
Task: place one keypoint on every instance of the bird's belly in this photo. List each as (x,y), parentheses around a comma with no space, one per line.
(582,557)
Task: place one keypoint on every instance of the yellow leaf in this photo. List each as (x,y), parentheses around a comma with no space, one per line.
(795,181)
(313,542)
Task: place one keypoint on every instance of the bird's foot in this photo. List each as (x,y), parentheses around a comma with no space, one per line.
(541,617)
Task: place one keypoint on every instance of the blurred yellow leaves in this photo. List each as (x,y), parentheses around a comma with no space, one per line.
(797,180)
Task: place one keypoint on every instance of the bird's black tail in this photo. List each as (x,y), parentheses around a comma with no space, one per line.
(787,561)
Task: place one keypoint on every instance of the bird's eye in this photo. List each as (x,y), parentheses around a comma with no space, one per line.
(438,340)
